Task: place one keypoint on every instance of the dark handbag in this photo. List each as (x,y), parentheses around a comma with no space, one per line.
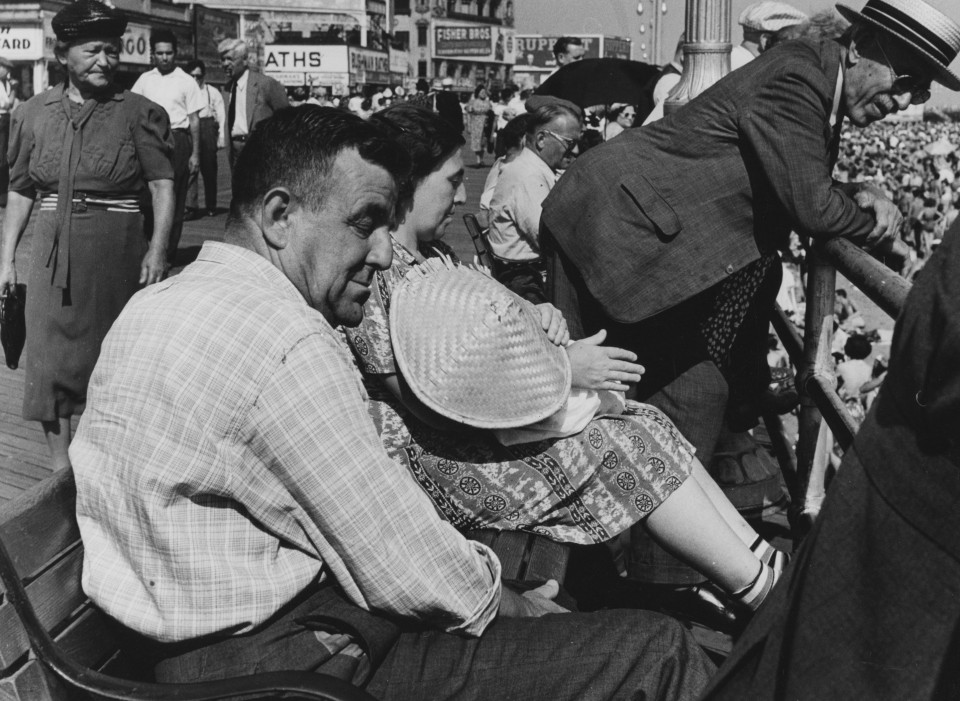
(13,324)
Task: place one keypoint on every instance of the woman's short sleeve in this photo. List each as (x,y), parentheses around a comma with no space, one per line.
(370,341)
(20,147)
(153,139)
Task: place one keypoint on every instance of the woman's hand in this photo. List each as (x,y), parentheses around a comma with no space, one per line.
(8,279)
(554,325)
(602,367)
(154,266)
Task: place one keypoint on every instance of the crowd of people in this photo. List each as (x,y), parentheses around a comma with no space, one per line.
(281,446)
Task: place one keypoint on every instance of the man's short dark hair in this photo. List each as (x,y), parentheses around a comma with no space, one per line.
(560,45)
(194,65)
(163,36)
(858,347)
(296,148)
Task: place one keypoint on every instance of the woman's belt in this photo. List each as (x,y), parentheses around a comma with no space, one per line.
(83,201)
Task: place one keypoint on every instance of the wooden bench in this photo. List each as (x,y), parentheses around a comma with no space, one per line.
(63,642)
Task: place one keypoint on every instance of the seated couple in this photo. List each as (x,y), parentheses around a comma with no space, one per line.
(238,509)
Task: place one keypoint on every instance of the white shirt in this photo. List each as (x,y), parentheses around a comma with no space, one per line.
(740,57)
(214,108)
(177,92)
(240,114)
(517,204)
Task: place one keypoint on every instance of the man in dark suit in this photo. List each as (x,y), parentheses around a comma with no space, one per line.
(250,98)
(669,239)
(870,609)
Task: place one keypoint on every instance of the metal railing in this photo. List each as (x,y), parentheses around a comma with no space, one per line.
(811,355)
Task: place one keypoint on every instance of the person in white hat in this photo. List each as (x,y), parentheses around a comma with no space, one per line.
(760,22)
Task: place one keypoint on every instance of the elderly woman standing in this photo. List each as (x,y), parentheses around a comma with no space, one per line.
(86,148)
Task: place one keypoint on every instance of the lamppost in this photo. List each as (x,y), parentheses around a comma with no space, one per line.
(652,13)
(706,55)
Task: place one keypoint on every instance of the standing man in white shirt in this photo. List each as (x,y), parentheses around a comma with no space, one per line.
(179,95)
(213,123)
(252,97)
(8,99)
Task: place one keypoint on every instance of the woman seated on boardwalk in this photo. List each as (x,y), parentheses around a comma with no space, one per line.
(585,488)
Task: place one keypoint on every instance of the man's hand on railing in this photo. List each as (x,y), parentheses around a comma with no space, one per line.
(888,216)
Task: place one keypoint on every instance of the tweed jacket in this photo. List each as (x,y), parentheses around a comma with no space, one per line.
(264,97)
(668,210)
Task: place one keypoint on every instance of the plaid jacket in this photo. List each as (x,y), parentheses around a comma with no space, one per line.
(670,209)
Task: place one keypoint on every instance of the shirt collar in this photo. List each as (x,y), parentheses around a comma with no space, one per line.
(54,94)
(219,253)
(534,162)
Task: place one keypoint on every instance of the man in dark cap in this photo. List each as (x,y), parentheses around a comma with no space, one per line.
(669,239)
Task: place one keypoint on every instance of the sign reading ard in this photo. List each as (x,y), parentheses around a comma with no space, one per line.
(462,40)
(19,43)
(284,58)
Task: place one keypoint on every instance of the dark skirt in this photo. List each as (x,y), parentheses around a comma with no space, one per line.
(66,327)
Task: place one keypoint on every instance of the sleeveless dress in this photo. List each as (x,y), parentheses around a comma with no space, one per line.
(581,489)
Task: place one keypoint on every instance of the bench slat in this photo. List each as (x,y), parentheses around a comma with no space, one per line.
(55,595)
(36,526)
(30,683)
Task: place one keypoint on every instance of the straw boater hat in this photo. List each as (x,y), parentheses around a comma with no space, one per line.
(926,30)
(472,350)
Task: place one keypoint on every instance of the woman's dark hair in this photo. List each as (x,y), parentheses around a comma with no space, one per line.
(476,90)
(615,112)
(163,36)
(194,65)
(512,135)
(424,135)
(588,139)
(297,146)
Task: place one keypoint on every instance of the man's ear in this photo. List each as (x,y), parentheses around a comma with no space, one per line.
(765,39)
(275,214)
(853,50)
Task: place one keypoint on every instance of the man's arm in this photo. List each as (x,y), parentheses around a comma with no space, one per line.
(277,95)
(220,114)
(194,120)
(783,129)
(377,533)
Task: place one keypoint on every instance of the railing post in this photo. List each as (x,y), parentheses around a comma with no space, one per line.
(812,459)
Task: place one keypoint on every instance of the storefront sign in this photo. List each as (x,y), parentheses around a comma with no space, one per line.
(213,26)
(285,58)
(398,61)
(462,40)
(21,43)
(535,51)
(135,45)
(482,43)
(369,67)
(614,47)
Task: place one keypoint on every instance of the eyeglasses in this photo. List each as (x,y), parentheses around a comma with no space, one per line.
(919,89)
(568,143)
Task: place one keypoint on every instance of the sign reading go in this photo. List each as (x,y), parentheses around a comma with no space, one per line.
(135,45)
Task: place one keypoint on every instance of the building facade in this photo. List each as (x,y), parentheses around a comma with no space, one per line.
(27,38)
(468,41)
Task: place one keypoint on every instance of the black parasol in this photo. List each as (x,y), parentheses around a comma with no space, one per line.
(605,81)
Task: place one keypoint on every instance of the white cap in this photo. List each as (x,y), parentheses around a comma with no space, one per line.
(770,16)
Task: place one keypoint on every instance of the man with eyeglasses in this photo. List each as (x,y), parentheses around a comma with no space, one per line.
(550,146)
(668,237)
(213,117)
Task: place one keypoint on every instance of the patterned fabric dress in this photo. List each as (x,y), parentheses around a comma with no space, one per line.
(583,489)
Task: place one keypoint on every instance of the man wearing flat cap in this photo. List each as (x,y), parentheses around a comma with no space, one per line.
(7,101)
(670,239)
(760,22)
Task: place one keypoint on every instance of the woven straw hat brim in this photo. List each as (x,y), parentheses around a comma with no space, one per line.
(934,21)
(473,351)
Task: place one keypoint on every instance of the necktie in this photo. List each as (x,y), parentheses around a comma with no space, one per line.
(232,111)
